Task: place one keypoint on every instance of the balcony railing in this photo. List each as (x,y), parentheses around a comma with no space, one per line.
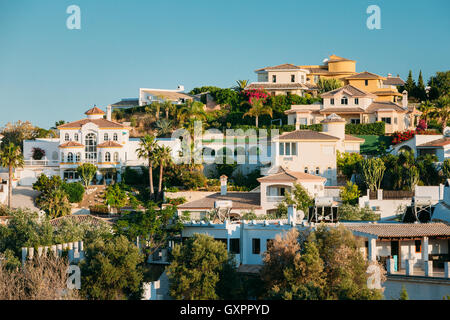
(275,198)
(42,163)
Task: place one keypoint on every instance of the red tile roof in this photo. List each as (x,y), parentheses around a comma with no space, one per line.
(285,66)
(402,230)
(436,143)
(349,89)
(364,75)
(94,110)
(285,175)
(71,144)
(101,123)
(306,135)
(240,200)
(109,144)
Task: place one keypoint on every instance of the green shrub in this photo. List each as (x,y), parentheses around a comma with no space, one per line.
(75,191)
(133,177)
(377,128)
(193,180)
(99,209)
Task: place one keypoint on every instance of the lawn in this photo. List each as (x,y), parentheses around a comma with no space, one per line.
(372,143)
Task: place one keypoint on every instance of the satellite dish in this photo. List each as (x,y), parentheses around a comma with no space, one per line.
(325,60)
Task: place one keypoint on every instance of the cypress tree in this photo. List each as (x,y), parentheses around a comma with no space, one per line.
(410,84)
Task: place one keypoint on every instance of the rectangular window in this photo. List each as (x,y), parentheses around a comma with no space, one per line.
(303,121)
(292,77)
(281,149)
(274,78)
(294,148)
(288,149)
(234,246)
(366,82)
(386,120)
(256,246)
(418,245)
(332,101)
(356,101)
(355,121)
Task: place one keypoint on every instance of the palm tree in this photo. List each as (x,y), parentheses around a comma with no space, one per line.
(146,150)
(442,110)
(164,126)
(167,106)
(156,106)
(192,110)
(11,157)
(426,108)
(241,85)
(258,109)
(164,157)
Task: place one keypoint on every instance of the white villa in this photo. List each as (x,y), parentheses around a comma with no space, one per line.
(299,157)
(94,139)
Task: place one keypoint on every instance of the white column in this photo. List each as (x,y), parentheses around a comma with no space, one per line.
(425,249)
(428,268)
(447,269)
(409,267)
(372,249)
(390,266)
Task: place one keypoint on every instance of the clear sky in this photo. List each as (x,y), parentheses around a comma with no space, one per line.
(50,73)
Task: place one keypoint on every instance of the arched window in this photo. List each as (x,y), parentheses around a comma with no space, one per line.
(106,137)
(306,169)
(70,157)
(344,100)
(115,138)
(90,147)
(107,157)
(78,157)
(317,170)
(75,137)
(116,157)
(66,137)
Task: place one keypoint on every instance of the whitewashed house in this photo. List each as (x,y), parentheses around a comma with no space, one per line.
(94,139)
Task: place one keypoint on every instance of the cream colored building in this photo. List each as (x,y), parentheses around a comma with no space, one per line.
(283,79)
(355,105)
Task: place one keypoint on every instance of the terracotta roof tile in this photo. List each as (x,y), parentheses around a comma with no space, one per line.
(283,66)
(240,200)
(403,230)
(290,176)
(94,110)
(393,81)
(71,144)
(349,137)
(364,75)
(101,123)
(271,85)
(384,105)
(436,143)
(109,144)
(306,135)
(349,89)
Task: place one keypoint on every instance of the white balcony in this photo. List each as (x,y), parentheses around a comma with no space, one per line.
(41,163)
(274,198)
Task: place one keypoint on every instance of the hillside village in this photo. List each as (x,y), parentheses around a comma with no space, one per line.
(305,151)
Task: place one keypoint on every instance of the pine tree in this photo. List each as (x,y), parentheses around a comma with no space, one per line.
(404,294)
(420,92)
(410,84)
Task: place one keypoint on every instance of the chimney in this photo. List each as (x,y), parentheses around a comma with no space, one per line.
(389,75)
(223,185)
(292,214)
(405,99)
(180,87)
(108,113)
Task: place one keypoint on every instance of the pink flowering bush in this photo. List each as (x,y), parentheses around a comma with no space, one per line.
(256,94)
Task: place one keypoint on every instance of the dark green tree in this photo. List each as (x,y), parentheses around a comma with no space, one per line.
(111,270)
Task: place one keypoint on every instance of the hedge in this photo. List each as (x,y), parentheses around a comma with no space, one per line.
(75,191)
(377,128)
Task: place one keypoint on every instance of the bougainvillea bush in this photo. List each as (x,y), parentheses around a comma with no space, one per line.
(398,136)
(256,94)
(38,153)
(422,126)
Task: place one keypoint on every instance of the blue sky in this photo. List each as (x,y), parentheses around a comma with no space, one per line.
(50,73)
